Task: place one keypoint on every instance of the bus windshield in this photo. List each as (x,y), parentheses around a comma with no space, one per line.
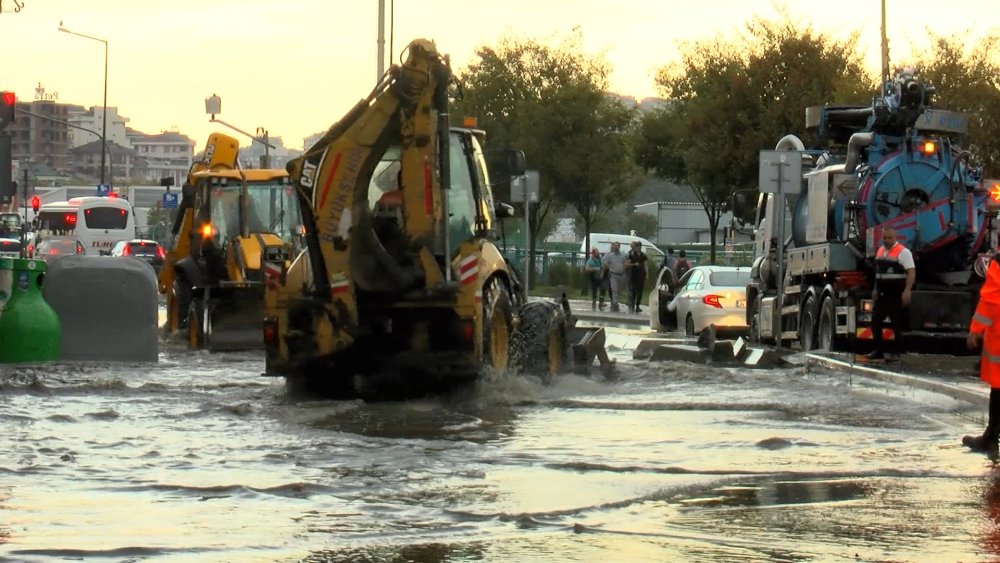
(105,218)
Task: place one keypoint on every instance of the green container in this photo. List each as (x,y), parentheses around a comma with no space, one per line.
(29,327)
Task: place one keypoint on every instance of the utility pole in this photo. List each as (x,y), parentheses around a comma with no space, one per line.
(24,224)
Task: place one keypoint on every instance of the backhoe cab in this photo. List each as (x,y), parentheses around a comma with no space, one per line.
(228,219)
(400,272)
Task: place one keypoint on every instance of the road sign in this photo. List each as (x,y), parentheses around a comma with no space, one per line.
(170,201)
(527,183)
(103,189)
(780,166)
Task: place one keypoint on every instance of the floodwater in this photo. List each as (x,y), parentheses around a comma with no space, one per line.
(199,458)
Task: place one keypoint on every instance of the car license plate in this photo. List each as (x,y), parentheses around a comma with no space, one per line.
(741,303)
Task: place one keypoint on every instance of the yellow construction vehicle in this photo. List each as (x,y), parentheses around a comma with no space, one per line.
(228,219)
(401,275)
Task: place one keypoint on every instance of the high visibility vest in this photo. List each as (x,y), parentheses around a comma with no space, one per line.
(986,320)
(889,273)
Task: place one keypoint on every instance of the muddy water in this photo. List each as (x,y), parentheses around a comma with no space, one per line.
(199,458)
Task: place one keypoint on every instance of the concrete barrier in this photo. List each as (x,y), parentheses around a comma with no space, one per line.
(107,307)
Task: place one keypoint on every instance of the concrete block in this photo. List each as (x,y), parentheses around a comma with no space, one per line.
(646,346)
(107,307)
(679,353)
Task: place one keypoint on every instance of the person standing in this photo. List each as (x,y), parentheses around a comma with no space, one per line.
(593,268)
(894,276)
(635,265)
(681,266)
(984,330)
(614,262)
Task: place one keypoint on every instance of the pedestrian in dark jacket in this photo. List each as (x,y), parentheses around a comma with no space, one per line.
(635,265)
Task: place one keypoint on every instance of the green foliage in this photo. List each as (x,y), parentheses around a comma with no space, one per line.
(644,225)
(551,103)
(964,79)
(730,100)
(159,221)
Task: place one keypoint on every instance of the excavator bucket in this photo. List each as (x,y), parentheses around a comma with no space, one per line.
(231,318)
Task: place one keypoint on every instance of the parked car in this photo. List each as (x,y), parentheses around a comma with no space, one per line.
(50,248)
(10,248)
(149,251)
(705,295)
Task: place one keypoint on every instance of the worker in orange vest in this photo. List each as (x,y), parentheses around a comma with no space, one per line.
(985,330)
(894,277)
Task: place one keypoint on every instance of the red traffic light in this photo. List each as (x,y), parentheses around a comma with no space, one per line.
(35,203)
(7,108)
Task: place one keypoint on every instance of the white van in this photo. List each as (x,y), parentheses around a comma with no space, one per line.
(602,242)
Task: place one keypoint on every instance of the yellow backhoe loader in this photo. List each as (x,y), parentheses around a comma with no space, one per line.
(228,220)
(401,284)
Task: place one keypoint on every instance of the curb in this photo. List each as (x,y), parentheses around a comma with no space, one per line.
(978,398)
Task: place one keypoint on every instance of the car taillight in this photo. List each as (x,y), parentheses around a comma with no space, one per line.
(79,248)
(126,250)
(271,332)
(31,250)
(712,301)
(161,253)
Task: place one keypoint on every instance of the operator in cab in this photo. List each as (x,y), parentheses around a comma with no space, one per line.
(895,273)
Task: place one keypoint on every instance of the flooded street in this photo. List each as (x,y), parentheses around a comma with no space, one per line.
(199,458)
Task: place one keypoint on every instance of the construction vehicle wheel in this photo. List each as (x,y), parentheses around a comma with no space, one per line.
(807,324)
(182,301)
(195,330)
(497,326)
(827,331)
(540,341)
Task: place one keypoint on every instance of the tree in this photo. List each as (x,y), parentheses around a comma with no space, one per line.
(965,79)
(643,224)
(730,100)
(159,221)
(550,102)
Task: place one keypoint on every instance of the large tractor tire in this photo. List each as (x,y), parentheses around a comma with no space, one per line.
(181,301)
(498,326)
(540,342)
(195,329)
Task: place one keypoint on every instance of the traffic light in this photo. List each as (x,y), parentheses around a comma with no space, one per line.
(7,102)
(6,181)
(35,203)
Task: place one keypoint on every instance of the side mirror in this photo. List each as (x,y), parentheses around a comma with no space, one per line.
(504,210)
(515,162)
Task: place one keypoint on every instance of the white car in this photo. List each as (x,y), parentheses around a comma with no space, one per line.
(705,295)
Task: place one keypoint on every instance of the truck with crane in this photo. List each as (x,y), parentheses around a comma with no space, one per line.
(897,163)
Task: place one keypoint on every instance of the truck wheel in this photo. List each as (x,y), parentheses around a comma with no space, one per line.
(195,330)
(827,324)
(807,324)
(540,341)
(498,321)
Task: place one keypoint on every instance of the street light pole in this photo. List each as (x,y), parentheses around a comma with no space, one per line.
(213,105)
(104,112)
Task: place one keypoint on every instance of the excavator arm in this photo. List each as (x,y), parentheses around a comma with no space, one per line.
(332,179)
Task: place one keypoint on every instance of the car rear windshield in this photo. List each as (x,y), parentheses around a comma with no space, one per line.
(106,218)
(729,279)
(142,248)
(58,246)
(10,246)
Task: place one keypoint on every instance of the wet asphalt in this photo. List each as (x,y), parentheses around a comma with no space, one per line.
(953,376)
